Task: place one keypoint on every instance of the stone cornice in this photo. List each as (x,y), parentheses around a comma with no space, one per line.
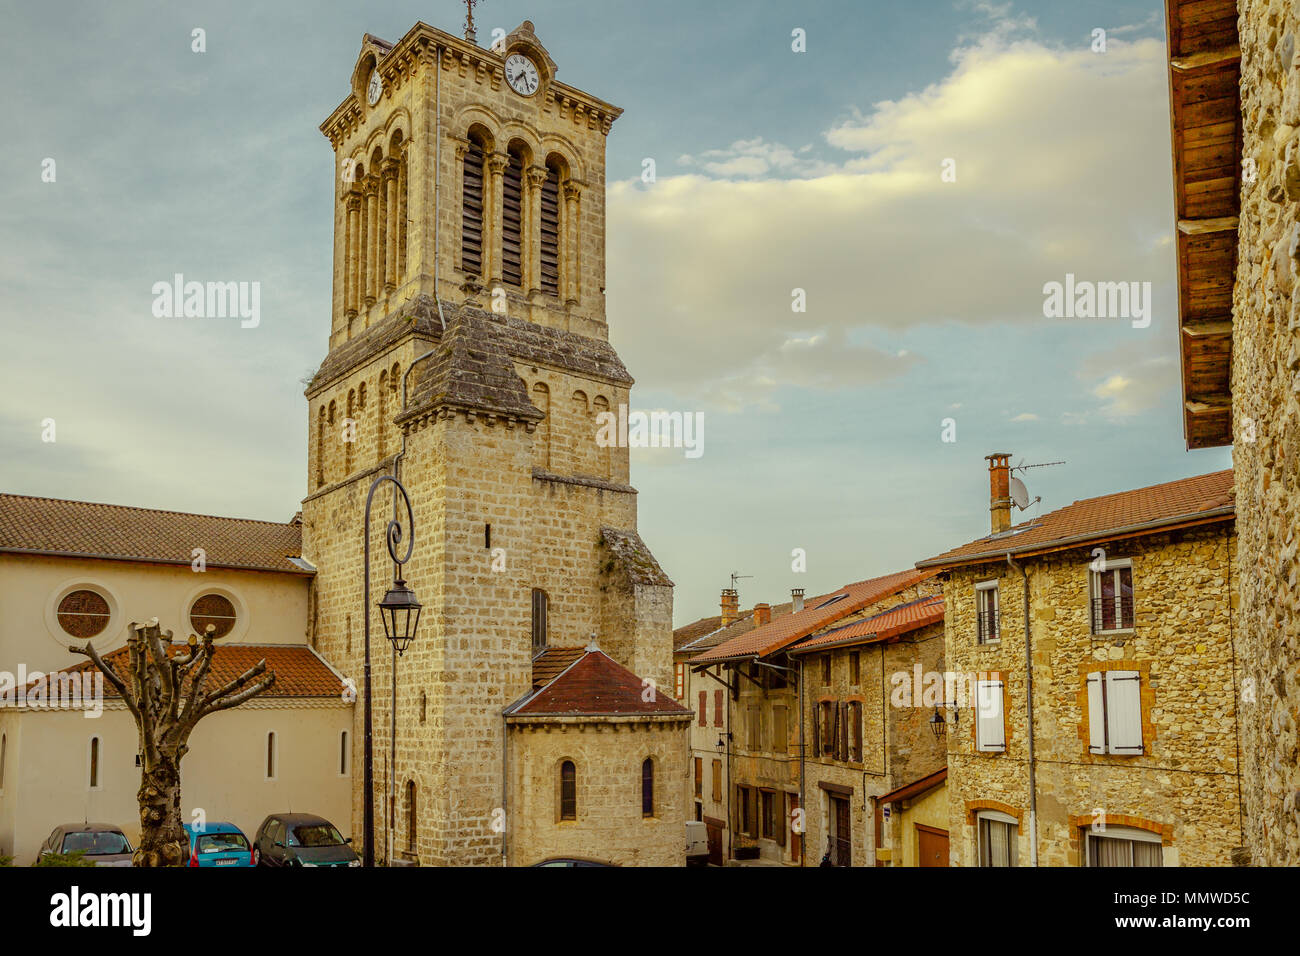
(417,47)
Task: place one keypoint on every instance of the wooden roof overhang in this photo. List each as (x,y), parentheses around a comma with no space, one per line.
(1205,114)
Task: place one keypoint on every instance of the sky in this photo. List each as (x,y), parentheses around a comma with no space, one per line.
(920,171)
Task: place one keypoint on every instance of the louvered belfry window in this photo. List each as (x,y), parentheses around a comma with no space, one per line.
(471,247)
(550,232)
(512,232)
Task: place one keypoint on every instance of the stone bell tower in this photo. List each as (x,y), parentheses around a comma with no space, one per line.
(469,354)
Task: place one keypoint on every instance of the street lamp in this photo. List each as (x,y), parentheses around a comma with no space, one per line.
(400,613)
(939,726)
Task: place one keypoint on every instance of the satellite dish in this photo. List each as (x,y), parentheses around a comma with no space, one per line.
(1019,494)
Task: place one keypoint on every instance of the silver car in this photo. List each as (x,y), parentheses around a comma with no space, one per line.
(100,843)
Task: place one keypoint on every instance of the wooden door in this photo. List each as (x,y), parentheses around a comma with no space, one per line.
(932,846)
(843,836)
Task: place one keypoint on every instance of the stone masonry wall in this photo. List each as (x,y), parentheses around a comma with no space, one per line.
(1185,784)
(1266,401)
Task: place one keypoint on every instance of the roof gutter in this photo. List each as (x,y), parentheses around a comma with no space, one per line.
(1204,517)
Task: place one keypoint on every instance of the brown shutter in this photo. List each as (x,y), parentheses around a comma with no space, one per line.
(817,730)
(717,708)
(471,247)
(704,702)
(512,230)
(550,232)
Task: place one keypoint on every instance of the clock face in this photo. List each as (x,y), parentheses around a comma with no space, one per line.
(521,74)
(375,89)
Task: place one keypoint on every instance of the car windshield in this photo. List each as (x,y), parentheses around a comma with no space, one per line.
(315,834)
(95,842)
(222,842)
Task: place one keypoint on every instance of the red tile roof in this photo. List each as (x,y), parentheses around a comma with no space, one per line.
(84,528)
(1143,510)
(553,662)
(595,685)
(782,632)
(299,672)
(880,627)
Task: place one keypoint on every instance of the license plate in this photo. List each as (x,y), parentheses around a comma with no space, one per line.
(226,862)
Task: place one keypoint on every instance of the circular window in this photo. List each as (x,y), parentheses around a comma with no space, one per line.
(215,610)
(83,613)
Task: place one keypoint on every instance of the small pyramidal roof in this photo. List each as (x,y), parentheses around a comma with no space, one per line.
(595,685)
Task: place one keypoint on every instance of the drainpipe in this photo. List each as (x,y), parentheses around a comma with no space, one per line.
(1029,719)
(803,756)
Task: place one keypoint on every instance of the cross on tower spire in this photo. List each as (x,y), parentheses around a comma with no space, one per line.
(469,20)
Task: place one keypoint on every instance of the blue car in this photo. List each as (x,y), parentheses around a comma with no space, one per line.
(218,844)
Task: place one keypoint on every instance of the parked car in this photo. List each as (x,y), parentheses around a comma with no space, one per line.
(100,843)
(218,844)
(697,843)
(301,839)
(571,861)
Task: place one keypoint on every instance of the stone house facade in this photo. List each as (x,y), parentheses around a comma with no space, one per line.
(1235,107)
(1128,753)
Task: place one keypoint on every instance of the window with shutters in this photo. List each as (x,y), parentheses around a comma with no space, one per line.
(541,602)
(1115,712)
(826,668)
(1111,591)
(550,232)
(679,678)
(986,613)
(824,727)
(512,220)
(998,835)
(780,734)
(471,234)
(767,813)
(717,708)
(1123,846)
(841,730)
(717,781)
(704,708)
(568,791)
(754,727)
(699,777)
(855,730)
(855,668)
(990,727)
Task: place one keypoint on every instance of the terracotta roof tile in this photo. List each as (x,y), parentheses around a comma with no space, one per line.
(595,685)
(885,626)
(817,613)
(299,672)
(1174,502)
(57,526)
(552,662)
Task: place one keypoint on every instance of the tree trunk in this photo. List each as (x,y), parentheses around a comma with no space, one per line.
(163,841)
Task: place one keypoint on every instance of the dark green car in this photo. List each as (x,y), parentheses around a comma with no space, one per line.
(301,839)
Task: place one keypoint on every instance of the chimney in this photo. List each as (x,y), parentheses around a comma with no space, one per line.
(999,491)
(762,614)
(730,606)
(796,600)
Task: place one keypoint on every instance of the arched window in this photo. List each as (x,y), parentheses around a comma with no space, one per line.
(345,754)
(568,791)
(320,447)
(542,436)
(214,609)
(349,432)
(94,763)
(270,755)
(471,230)
(512,219)
(541,600)
(550,231)
(410,815)
(648,787)
(382,427)
(83,613)
(424,706)
(604,450)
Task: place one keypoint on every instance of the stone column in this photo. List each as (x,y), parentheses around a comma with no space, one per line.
(572,244)
(492,222)
(535,177)
(402,213)
(352,264)
(391,223)
(372,240)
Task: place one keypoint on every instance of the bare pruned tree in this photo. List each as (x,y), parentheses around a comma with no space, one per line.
(165,690)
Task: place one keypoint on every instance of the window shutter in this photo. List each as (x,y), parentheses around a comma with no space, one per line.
(844,731)
(512,230)
(471,248)
(817,729)
(717,708)
(704,706)
(1096,714)
(990,734)
(550,232)
(1124,711)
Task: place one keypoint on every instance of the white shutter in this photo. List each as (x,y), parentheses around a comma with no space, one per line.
(1124,711)
(1096,714)
(990,735)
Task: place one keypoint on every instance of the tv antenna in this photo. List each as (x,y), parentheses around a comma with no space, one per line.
(738,577)
(1019,493)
